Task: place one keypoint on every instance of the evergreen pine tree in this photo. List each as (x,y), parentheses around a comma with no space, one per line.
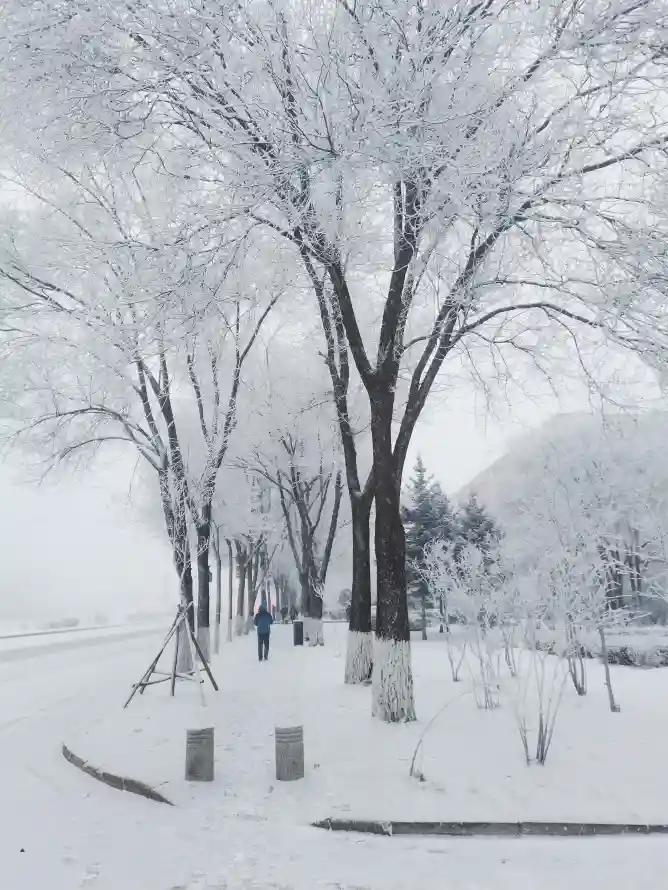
(427,518)
(475,526)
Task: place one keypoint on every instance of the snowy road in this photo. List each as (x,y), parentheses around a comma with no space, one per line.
(17,647)
(60,830)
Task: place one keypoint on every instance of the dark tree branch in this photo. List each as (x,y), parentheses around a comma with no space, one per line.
(333,525)
(197,389)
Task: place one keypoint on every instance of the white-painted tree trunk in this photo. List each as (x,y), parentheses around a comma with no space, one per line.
(230,629)
(248,627)
(204,641)
(239,624)
(184,662)
(306,621)
(393,699)
(316,635)
(359,657)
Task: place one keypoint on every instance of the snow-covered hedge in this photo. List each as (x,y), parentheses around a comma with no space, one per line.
(639,647)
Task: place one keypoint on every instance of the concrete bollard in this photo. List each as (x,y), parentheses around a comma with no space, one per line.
(199,755)
(289,753)
(298,633)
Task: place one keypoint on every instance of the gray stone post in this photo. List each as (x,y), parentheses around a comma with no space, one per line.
(289,753)
(199,755)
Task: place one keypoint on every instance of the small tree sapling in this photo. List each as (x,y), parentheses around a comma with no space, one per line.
(540,679)
(437,568)
(472,586)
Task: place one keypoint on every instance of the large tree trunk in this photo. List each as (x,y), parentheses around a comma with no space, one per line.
(187,589)
(305,608)
(393,699)
(177,529)
(174,500)
(183,565)
(423,603)
(174,511)
(279,602)
(230,590)
(219,593)
(250,589)
(263,583)
(203,588)
(316,633)
(359,651)
(288,597)
(242,568)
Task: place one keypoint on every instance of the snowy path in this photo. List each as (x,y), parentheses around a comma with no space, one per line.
(76,833)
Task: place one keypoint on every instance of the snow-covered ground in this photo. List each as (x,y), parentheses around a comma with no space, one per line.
(247,831)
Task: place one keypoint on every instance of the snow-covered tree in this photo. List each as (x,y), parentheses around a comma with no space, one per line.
(427,517)
(135,324)
(456,173)
(89,337)
(309,496)
(472,587)
(475,527)
(591,477)
(585,511)
(291,450)
(217,413)
(310,503)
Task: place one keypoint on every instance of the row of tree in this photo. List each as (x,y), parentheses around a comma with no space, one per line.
(420,183)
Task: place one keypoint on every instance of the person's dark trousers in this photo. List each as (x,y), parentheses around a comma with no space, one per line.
(263,646)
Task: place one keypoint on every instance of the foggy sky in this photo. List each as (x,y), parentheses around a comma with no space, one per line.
(80,543)
(74,546)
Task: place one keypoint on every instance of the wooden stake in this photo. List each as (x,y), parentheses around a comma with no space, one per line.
(174,663)
(181,617)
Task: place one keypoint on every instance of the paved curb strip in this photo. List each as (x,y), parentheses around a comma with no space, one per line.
(114,781)
(490,829)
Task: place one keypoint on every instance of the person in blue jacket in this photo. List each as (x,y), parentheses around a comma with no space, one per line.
(263,622)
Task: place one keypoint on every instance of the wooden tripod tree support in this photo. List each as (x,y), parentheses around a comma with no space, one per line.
(153,676)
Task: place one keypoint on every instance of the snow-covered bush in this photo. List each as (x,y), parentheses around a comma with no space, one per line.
(471,585)
(539,691)
(643,647)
